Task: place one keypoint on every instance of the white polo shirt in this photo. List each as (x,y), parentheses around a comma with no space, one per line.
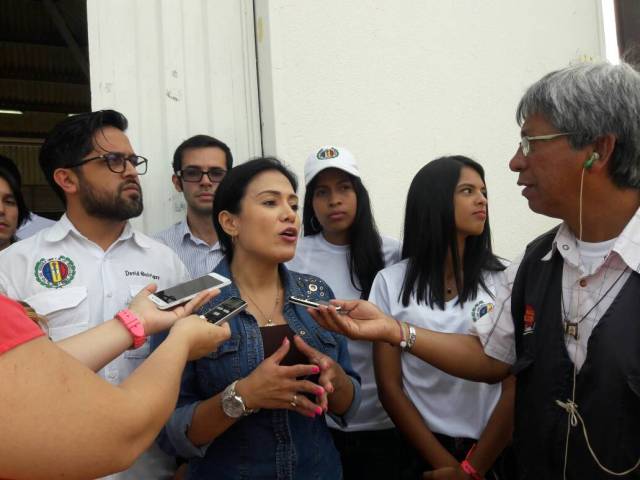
(330,262)
(448,405)
(77,285)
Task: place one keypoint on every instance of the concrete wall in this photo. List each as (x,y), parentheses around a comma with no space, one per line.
(175,69)
(401,83)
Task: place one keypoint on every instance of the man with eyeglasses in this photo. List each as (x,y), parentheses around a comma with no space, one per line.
(89,264)
(566,319)
(199,165)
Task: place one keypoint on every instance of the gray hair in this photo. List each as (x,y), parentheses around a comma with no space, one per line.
(592,100)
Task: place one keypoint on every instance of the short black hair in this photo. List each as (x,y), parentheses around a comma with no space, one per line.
(200,141)
(72,139)
(9,171)
(430,232)
(233,187)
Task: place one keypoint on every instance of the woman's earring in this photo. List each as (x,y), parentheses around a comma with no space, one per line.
(315,226)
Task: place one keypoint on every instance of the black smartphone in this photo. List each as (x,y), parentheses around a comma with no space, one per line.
(225,310)
(305,302)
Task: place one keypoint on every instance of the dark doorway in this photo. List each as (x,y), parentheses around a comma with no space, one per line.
(44,77)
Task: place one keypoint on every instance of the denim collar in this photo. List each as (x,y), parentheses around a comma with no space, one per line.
(290,286)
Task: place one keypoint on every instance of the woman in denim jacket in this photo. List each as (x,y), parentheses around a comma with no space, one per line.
(244,412)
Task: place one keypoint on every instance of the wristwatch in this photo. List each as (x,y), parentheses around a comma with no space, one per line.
(233,405)
(132,323)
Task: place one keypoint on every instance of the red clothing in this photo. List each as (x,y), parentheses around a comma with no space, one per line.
(15,327)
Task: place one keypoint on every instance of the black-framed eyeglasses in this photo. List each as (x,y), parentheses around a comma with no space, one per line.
(195,174)
(117,162)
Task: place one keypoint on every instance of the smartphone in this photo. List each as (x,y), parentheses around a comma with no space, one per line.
(184,292)
(225,311)
(305,302)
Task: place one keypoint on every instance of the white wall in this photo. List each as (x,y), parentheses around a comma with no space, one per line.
(400,83)
(175,69)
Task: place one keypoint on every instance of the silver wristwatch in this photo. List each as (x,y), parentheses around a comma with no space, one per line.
(233,405)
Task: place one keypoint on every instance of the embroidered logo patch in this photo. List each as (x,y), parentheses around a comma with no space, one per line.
(480,309)
(327,153)
(55,272)
(529,319)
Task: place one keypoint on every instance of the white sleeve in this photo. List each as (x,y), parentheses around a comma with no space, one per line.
(495,329)
(392,251)
(379,294)
(182,274)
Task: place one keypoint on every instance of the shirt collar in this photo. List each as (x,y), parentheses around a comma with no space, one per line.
(60,229)
(64,227)
(223,268)
(185,232)
(565,243)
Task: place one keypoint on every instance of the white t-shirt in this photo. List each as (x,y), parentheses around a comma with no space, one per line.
(316,256)
(77,285)
(448,405)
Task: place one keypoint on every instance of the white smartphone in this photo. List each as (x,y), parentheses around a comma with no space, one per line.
(305,302)
(225,311)
(182,293)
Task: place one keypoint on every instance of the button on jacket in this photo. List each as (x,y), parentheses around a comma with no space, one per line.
(275,444)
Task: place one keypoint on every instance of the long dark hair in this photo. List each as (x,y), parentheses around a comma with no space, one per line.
(365,245)
(233,187)
(430,232)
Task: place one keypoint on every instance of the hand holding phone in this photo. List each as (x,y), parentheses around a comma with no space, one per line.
(182,293)
(305,302)
(225,311)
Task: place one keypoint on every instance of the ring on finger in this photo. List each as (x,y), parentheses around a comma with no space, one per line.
(293,401)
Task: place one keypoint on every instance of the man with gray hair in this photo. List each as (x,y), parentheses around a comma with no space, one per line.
(565,322)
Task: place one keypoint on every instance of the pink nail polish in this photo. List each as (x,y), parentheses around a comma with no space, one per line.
(315,369)
(285,341)
(318,411)
(319,391)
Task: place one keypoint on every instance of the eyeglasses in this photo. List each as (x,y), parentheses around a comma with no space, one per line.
(525,142)
(117,162)
(194,174)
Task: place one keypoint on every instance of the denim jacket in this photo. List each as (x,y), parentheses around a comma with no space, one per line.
(274,444)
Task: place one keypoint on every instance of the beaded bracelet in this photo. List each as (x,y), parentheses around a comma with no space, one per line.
(403,340)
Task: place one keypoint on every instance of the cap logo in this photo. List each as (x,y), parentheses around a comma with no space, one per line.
(327,153)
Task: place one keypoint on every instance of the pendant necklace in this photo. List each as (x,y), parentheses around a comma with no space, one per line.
(571,328)
(268,319)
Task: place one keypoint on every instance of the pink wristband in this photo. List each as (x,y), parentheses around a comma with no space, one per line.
(469,469)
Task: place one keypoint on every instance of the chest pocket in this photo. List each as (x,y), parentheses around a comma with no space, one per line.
(66,310)
(143,352)
(220,368)
(322,341)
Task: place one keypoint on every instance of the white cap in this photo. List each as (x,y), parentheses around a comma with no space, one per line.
(329,157)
